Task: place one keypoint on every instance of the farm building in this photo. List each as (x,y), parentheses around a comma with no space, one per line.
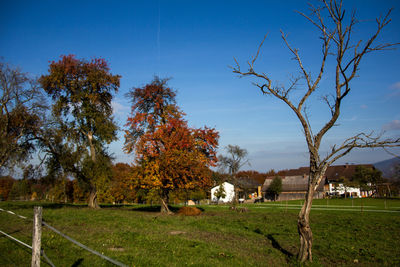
(295,183)
(293,187)
(249,188)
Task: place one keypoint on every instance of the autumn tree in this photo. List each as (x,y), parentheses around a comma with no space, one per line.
(122,188)
(234,159)
(6,183)
(170,155)
(337,32)
(21,111)
(256,176)
(82,92)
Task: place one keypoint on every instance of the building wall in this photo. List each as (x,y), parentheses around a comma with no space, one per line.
(229,193)
(295,195)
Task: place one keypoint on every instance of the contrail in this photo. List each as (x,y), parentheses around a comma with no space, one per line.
(158,37)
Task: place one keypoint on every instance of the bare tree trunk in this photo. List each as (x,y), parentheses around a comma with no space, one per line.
(164,203)
(236,198)
(304,229)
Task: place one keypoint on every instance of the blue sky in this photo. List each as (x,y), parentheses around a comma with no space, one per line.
(194,42)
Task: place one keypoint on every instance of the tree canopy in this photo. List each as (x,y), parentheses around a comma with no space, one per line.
(275,188)
(171,155)
(22,108)
(82,92)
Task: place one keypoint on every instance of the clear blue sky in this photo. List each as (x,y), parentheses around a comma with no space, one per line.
(194,42)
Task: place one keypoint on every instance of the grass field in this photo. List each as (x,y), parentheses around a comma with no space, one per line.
(346,233)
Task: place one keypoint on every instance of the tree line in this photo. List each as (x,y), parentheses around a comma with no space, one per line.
(65,118)
(71,134)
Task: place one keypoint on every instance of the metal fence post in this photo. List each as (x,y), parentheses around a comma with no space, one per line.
(36,236)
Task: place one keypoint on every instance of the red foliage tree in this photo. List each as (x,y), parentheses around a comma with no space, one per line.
(169,153)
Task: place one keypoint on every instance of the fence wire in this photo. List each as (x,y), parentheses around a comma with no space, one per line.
(42,253)
(66,237)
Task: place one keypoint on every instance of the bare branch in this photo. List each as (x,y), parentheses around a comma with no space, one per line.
(258,52)
(326,100)
(361,140)
(297,58)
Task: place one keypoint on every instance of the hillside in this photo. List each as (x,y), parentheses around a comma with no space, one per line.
(387,167)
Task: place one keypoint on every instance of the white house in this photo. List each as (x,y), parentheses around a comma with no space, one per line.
(229,193)
(340,189)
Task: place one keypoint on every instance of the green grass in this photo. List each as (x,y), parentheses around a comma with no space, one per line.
(264,236)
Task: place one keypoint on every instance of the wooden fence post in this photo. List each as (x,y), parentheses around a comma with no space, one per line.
(36,236)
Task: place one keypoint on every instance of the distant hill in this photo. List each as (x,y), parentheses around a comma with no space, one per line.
(387,167)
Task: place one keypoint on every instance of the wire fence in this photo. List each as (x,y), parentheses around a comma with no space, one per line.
(115,262)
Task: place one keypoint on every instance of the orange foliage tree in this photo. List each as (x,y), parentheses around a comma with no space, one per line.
(170,155)
(122,187)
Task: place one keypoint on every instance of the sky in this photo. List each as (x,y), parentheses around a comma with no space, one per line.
(194,43)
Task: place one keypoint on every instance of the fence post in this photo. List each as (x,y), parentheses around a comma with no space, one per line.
(36,236)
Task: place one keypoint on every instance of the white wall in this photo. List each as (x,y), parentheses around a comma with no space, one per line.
(229,193)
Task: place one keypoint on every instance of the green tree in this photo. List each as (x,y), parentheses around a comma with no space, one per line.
(338,41)
(82,92)
(21,190)
(220,192)
(21,108)
(367,178)
(275,188)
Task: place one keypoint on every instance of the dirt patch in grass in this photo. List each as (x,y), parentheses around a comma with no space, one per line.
(116,249)
(189,211)
(177,232)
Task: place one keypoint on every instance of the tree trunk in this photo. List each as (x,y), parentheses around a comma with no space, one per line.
(93,199)
(93,191)
(164,203)
(303,227)
(235,200)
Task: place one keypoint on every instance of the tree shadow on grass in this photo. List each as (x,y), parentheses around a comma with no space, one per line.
(45,205)
(155,208)
(277,246)
(77,262)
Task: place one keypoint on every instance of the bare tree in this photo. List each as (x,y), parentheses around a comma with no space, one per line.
(235,159)
(336,31)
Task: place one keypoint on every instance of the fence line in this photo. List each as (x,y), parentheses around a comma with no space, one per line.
(30,247)
(16,240)
(72,240)
(84,247)
(324,209)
